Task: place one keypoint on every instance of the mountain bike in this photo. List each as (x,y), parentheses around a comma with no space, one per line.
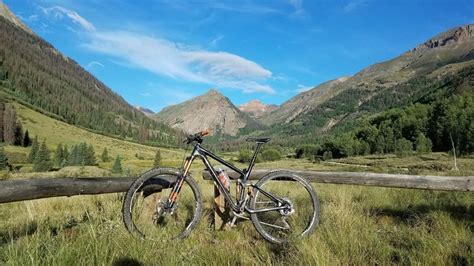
(166,203)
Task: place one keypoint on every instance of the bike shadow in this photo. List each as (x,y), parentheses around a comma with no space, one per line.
(127,262)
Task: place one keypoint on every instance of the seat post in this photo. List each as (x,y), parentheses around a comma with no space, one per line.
(254,157)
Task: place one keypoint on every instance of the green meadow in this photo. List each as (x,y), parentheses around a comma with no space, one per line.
(359,225)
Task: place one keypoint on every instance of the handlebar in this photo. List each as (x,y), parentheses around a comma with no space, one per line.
(197,137)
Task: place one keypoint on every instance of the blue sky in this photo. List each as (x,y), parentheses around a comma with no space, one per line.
(157,53)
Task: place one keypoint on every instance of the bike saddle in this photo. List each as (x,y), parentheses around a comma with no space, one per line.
(259,140)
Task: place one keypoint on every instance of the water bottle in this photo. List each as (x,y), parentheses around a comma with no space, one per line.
(224,178)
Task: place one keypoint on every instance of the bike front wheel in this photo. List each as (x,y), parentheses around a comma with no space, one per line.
(144,208)
(298,218)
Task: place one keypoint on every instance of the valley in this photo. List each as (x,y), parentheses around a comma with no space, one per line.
(411,114)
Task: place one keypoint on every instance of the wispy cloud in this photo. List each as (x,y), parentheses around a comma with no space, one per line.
(248,8)
(353,5)
(182,62)
(299,11)
(59,12)
(93,64)
(216,40)
(31,18)
(303,88)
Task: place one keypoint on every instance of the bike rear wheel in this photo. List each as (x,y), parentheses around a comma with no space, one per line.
(144,212)
(300,216)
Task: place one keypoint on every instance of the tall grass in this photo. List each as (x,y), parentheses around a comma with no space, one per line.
(359,225)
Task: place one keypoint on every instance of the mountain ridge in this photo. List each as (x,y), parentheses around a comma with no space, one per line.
(417,74)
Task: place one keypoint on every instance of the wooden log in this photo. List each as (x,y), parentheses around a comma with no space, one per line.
(28,189)
(448,183)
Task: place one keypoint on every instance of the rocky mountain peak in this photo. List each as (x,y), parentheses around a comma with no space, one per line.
(210,110)
(8,15)
(213,93)
(454,36)
(256,108)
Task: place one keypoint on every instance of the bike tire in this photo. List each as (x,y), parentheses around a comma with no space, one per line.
(144,187)
(282,184)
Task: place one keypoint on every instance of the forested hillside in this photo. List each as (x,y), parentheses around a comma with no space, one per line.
(446,124)
(33,71)
(438,68)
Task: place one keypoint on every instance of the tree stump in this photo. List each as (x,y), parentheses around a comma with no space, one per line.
(222,210)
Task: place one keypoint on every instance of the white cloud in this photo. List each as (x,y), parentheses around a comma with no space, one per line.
(217,64)
(182,62)
(59,12)
(174,60)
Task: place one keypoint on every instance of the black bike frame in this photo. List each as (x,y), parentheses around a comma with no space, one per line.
(201,152)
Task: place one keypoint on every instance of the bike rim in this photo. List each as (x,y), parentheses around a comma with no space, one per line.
(292,223)
(145,212)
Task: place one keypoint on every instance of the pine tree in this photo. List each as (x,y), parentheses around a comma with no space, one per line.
(65,156)
(81,153)
(59,155)
(157,161)
(105,155)
(73,156)
(42,162)
(117,166)
(26,139)
(34,150)
(89,155)
(3,159)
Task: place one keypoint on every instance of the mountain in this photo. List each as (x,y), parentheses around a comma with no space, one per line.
(144,110)
(34,73)
(256,108)
(210,110)
(436,68)
(304,102)
(8,15)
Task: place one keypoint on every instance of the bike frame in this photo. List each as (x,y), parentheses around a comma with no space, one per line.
(238,206)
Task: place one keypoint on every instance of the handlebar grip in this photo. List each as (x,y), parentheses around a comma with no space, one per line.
(205,132)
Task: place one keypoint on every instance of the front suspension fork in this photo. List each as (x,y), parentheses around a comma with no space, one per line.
(178,184)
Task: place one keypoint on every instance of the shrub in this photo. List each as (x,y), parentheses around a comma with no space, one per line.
(271,155)
(306,151)
(403,147)
(245,156)
(423,144)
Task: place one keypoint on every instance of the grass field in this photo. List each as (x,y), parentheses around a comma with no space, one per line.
(135,156)
(359,225)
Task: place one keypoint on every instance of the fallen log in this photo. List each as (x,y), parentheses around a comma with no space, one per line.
(28,189)
(448,183)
